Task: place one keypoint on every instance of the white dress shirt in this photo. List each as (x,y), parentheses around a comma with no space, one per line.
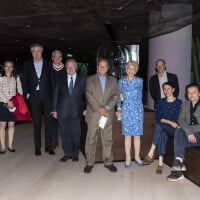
(69,79)
(162,79)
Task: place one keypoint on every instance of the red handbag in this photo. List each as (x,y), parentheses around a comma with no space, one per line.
(21,112)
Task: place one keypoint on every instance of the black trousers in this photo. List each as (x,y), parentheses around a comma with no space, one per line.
(40,107)
(70,135)
(55,130)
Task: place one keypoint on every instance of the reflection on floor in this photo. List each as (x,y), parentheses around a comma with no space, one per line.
(24,176)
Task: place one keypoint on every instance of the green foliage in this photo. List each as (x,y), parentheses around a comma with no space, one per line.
(83,68)
(196,59)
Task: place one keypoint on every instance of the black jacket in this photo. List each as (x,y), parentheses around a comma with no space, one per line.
(30,80)
(69,106)
(154,86)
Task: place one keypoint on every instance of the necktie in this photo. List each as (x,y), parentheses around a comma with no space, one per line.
(71,86)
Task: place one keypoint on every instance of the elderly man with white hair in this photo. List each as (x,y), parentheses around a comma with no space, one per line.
(58,72)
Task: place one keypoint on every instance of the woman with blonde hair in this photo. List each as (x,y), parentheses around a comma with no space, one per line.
(130,108)
(10,84)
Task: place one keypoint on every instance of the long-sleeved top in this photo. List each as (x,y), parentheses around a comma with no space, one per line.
(168,110)
(155,90)
(8,88)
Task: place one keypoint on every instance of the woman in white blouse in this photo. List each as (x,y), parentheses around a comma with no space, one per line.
(10,84)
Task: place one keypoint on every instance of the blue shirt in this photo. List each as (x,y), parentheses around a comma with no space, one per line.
(38,69)
(168,110)
(103,82)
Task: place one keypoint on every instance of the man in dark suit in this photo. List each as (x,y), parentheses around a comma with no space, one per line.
(156,81)
(37,88)
(68,106)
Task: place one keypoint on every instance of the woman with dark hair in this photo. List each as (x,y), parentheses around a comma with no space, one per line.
(10,84)
(167,112)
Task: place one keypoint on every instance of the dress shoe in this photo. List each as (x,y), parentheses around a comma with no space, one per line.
(88,169)
(50,151)
(11,150)
(65,158)
(2,152)
(54,146)
(111,168)
(38,153)
(75,159)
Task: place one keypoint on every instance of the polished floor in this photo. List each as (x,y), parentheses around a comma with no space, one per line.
(24,176)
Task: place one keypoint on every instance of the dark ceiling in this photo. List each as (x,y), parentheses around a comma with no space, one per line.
(79,26)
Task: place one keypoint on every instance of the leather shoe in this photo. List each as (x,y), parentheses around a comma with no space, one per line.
(88,169)
(75,159)
(38,153)
(111,168)
(2,152)
(11,150)
(148,160)
(54,146)
(65,159)
(159,169)
(50,151)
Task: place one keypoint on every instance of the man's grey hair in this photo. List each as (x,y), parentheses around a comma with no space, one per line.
(36,45)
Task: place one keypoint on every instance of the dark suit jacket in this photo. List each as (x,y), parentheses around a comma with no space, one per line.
(30,80)
(154,86)
(69,106)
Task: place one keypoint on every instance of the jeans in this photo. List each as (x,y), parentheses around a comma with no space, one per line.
(161,133)
(181,142)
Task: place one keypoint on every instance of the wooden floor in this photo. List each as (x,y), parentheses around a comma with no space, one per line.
(24,176)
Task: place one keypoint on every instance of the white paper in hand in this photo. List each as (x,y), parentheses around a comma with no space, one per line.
(102,122)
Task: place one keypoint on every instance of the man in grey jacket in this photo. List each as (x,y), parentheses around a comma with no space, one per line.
(188,134)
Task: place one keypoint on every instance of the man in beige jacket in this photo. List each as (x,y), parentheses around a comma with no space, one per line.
(101,96)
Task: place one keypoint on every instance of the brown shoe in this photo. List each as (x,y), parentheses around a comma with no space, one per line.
(148,160)
(159,169)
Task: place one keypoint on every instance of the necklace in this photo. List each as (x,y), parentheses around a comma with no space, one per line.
(58,67)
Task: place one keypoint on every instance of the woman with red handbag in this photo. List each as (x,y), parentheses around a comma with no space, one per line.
(9,82)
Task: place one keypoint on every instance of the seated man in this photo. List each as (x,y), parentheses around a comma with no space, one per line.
(188,135)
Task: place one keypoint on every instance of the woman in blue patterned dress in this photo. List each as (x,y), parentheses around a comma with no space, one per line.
(167,112)
(131,111)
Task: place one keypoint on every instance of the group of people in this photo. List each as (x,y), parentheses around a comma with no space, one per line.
(57,92)
(173,118)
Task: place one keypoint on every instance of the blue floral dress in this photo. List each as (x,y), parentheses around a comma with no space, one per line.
(132,108)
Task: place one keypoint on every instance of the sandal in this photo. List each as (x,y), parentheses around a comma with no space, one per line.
(159,169)
(148,160)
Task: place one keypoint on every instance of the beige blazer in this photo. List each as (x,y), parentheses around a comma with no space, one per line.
(96,99)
